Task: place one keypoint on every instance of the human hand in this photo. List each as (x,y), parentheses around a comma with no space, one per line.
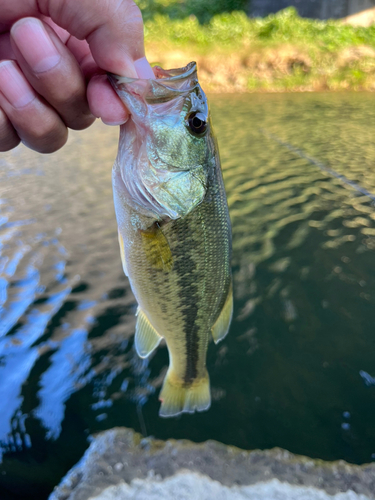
(54,55)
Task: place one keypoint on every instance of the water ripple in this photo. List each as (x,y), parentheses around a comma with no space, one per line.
(72,359)
(299,353)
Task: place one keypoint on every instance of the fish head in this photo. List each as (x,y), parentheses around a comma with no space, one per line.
(166,148)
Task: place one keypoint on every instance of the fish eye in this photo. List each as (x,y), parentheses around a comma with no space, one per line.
(197,123)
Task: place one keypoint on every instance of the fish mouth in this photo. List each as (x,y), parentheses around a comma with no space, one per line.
(168,83)
(173,75)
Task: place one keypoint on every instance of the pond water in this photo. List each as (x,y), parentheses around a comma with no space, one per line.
(297,369)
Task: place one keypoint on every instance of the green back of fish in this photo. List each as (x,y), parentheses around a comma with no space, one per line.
(180,274)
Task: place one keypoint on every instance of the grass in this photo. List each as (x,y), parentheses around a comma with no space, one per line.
(281,52)
(203,10)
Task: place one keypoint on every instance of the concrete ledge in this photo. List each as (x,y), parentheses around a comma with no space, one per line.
(120,464)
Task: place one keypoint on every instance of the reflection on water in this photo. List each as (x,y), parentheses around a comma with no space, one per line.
(297,369)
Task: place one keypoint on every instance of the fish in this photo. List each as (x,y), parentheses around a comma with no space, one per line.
(174,228)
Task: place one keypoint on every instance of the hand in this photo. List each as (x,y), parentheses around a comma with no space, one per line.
(54,55)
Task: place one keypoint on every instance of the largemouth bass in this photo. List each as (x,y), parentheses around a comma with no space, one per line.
(174,228)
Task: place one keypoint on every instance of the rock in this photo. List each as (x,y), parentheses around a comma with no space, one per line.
(120,464)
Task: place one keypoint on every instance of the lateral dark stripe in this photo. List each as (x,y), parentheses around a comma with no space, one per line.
(187,284)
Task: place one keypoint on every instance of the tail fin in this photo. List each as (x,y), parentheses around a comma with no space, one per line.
(176,397)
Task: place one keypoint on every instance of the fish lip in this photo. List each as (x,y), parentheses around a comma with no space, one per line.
(172,83)
(166,75)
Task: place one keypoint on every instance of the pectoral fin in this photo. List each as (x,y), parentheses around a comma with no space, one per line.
(156,248)
(122,253)
(146,337)
(222,324)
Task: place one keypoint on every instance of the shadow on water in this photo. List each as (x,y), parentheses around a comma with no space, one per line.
(297,369)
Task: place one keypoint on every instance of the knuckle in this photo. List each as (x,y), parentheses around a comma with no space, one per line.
(8,136)
(52,143)
(71,93)
(132,9)
(72,105)
(68,93)
(46,147)
(125,9)
(127,16)
(48,137)
(8,143)
(81,122)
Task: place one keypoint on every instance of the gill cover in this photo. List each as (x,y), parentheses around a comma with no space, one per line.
(165,147)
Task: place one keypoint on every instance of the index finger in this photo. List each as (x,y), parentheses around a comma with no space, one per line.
(113,28)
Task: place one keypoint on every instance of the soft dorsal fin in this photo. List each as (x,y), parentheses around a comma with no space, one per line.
(222,324)
(156,248)
(122,253)
(146,337)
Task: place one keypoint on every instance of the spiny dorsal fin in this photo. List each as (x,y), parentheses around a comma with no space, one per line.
(146,337)
(222,324)
(156,248)
(122,253)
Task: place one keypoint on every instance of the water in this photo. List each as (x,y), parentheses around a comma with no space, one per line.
(297,369)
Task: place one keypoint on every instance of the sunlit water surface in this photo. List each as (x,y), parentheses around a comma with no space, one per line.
(298,367)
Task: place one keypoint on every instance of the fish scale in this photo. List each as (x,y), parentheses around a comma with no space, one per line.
(178,264)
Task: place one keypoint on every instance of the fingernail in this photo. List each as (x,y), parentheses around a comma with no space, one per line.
(14,86)
(35,45)
(143,68)
(107,122)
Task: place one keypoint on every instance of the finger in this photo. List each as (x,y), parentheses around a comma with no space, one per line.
(79,48)
(113,28)
(6,51)
(52,70)
(8,136)
(81,51)
(143,68)
(90,68)
(38,126)
(60,32)
(104,103)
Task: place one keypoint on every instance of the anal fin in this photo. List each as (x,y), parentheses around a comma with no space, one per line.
(222,324)
(146,337)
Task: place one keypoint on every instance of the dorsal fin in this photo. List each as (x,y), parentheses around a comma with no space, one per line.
(146,337)
(156,248)
(222,324)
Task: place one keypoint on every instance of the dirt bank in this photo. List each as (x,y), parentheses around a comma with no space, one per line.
(284,68)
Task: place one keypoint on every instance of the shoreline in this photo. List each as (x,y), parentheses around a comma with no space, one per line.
(281,69)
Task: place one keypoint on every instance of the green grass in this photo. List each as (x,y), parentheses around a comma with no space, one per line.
(163,22)
(203,10)
(224,30)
